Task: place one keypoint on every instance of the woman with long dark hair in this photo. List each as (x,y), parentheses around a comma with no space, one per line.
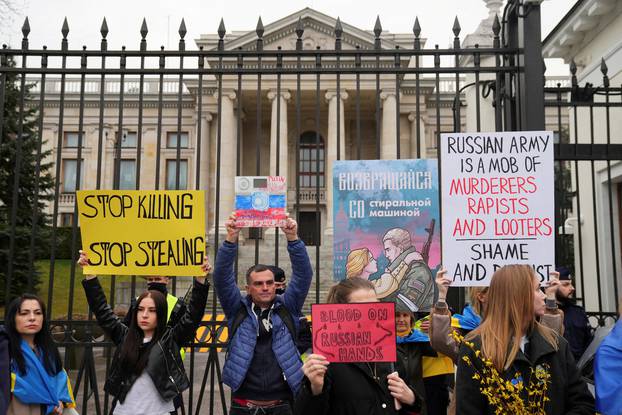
(354,388)
(512,363)
(147,371)
(39,385)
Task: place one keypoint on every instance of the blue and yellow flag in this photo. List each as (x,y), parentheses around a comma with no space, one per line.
(37,386)
(468,320)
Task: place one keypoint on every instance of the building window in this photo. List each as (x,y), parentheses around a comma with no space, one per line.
(128,139)
(66,219)
(308,227)
(310,154)
(127,175)
(171,140)
(70,139)
(171,174)
(70,169)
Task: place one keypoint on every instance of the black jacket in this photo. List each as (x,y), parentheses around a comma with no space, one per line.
(350,389)
(5,372)
(410,355)
(577,330)
(164,365)
(567,392)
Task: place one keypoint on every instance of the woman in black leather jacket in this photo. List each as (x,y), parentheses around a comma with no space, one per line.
(147,371)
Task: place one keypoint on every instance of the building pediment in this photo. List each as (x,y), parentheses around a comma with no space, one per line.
(319,31)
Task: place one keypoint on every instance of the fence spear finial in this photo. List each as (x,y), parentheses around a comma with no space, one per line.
(221,29)
(143,29)
(103,29)
(26,28)
(456,29)
(417,33)
(182,29)
(377,27)
(259,29)
(65,29)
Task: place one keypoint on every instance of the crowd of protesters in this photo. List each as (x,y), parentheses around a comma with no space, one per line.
(513,349)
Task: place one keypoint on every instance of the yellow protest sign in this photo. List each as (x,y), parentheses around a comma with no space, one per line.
(143,232)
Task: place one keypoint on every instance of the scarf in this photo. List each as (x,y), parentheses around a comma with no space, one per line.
(468,320)
(37,386)
(415,335)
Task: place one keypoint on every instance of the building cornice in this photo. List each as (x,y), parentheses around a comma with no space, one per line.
(579,26)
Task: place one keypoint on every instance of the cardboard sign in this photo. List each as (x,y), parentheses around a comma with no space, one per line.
(497,204)
(260,201)
(357,332)
(143,232)
(386,215)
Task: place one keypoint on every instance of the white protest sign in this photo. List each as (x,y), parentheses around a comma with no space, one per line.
(497,205)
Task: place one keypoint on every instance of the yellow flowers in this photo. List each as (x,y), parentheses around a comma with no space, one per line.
(509,396)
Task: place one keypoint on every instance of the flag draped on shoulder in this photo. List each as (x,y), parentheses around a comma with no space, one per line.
(37,386)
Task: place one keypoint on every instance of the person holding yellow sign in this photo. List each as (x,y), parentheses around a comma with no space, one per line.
(147,370)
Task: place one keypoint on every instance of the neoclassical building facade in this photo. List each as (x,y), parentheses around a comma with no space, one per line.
(259,118)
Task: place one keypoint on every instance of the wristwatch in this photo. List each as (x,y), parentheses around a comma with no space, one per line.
(551,304)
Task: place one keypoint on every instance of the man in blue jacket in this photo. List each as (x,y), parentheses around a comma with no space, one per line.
(263,366)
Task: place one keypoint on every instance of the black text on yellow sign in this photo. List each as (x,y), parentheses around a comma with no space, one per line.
(143,232)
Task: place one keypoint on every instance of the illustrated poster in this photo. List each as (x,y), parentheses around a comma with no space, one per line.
(386,218)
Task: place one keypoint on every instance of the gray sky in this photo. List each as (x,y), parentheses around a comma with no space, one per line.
(163,18)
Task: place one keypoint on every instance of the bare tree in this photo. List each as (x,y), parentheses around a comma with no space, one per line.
(9,10)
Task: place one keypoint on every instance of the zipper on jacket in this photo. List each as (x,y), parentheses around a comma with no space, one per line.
(168,372)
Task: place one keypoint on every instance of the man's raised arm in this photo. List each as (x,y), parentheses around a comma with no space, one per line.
(302,273)
(224,275)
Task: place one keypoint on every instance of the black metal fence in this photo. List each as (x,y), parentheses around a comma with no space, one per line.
(58,105)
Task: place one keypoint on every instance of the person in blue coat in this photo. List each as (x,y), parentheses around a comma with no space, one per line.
(607,369)
(263,365)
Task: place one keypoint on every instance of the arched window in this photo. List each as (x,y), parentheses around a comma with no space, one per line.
(310,153)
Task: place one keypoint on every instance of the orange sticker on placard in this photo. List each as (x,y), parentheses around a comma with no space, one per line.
(357,332)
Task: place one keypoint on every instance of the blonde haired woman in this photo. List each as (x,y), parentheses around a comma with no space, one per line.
(516,343)
(360,264)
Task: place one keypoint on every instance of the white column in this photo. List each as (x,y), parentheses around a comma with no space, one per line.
(281,121)
(388,143)
(203,162)
(228,157)
(334,102)
(412,117)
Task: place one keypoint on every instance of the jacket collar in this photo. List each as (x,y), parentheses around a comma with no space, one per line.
(538,347)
